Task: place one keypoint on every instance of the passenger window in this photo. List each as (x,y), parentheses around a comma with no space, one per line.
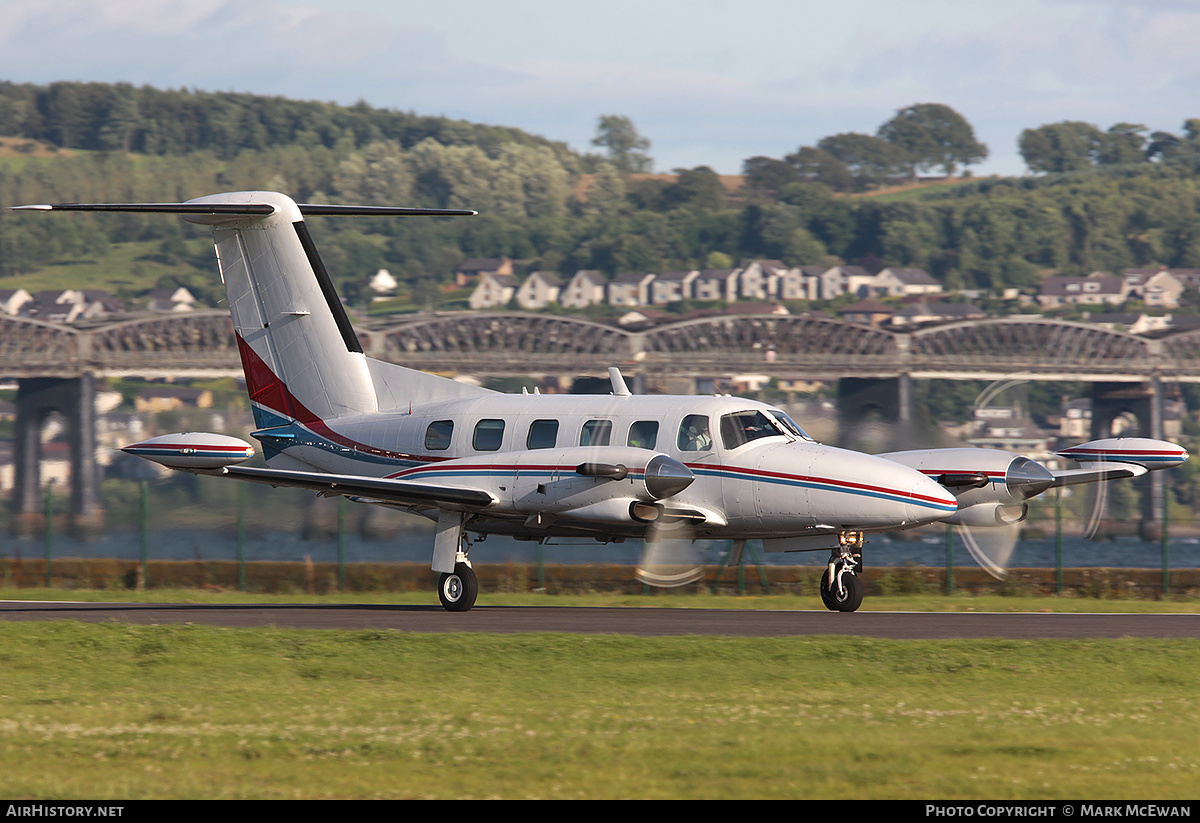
(489,434)
(740,428)
(437,436)
(643,434)
(596,433)
(693,434)
(542,434)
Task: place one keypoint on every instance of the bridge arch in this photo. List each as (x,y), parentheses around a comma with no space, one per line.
(1030,343)
(507,334)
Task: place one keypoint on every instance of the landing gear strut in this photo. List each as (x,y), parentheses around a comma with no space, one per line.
(841,588)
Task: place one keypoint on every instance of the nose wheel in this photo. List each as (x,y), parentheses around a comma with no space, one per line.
(841,587)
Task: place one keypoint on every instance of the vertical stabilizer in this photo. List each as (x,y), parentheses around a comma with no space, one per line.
(301,357)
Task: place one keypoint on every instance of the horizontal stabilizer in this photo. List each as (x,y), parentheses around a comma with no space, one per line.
(248,209)
(379,488)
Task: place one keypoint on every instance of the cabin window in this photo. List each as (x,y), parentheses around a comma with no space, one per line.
(489,434)
(740,428)
(596,433)
(643,434)
(437,436)
(543,434)
(693,434)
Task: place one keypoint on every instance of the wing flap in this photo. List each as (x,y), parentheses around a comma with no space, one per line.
(379,488)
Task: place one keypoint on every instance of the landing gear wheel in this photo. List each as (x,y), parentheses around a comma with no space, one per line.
(458,590)
(846,600)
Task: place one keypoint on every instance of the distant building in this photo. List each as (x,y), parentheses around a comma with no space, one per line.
(1098,288)
(869,312)
(493,290)
(672,287)
(897,282)
(630,290)
(177,299)
(538,290)
(915,314)
(11,300)
(383,284)
(585,288)
(470,271)
(716,284)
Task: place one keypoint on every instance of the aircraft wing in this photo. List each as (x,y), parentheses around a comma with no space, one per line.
(1094,474)
(377,488)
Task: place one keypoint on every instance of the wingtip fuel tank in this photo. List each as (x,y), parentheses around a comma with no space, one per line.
(193,450)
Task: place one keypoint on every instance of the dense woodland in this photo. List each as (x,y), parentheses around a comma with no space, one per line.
(1096,200)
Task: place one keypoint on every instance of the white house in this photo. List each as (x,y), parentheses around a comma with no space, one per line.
(716,284)
(630,290)
(893,282)
(672,286)
(493,290)
(584,289)
(538,290)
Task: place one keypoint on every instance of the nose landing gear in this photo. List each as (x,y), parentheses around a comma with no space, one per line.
(841,588)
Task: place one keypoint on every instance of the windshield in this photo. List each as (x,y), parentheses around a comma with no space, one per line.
(789,424)
(740,428)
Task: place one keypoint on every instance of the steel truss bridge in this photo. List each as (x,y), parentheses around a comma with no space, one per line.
(56,365)
(518,344)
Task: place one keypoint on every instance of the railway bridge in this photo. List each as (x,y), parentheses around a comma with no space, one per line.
(56,366)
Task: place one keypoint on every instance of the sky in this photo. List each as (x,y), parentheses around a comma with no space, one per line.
(708,83)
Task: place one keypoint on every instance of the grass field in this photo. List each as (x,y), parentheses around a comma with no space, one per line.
(127,712)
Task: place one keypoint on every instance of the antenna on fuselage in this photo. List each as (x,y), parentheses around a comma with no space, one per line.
(618,382)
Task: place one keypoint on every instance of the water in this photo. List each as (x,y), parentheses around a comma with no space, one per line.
(416,547)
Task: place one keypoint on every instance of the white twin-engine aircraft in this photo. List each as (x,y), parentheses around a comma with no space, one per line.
(535,466)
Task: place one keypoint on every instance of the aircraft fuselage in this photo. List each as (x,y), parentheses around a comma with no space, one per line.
(755,472)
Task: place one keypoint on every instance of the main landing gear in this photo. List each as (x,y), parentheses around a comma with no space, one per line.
(841,588)
(458,589)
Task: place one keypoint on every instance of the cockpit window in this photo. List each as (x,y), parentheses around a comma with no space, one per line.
(789,424)
(693,434)
(740,428)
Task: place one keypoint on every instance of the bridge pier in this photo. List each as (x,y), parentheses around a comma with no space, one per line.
(75,399)
(1143,402)
(875,414)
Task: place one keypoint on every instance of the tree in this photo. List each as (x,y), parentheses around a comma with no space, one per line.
(871,160)
(1125,143)
(819,166)
(626,148)
(1062,147)
(934,136)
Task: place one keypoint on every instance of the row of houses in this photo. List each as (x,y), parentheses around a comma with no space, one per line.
(1159,287)
(759,280)
(74,305)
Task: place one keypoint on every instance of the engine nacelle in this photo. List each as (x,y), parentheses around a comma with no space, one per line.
(617,510)
(193,450)
(984,515)
(979,475)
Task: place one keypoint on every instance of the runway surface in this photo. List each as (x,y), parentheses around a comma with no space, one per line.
(648,622)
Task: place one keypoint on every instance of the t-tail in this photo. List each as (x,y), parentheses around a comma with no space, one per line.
(302,359)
